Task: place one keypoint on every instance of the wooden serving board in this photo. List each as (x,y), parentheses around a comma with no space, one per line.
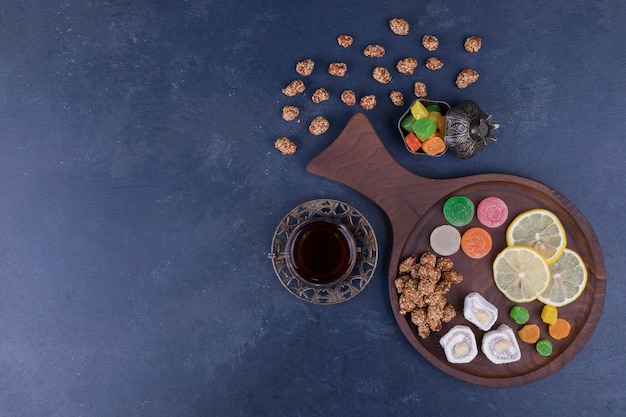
(413,204)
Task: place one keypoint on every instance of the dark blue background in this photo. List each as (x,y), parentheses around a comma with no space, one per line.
(139,192)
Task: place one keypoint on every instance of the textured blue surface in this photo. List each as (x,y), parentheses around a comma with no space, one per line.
(140,192)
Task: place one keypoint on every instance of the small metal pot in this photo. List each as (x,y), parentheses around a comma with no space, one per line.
(468,128)
(445,108)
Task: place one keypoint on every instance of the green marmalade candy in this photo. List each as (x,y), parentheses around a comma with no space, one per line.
(519,314)
(407,122)
(434,108)
(424,128)
(544,347)
(458,210)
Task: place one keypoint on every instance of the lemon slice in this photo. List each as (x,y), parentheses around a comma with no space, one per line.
(521,273)
(568,280)
(539,229)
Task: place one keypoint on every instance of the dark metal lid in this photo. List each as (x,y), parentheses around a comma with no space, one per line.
(468,128)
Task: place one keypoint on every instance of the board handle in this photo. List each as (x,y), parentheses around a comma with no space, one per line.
(358,159)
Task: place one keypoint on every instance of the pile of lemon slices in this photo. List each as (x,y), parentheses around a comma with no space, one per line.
(536,264)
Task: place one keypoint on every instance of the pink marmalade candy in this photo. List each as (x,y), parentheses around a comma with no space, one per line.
(492,212)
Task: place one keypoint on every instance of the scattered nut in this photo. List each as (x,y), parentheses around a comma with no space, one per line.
(406,66)
(305,68)
(399,26)
(338,69)
(285,146)
(348,97)
(290,113)
(430,42)
(466,77)
(473,44)
(419,89)
(345,40)
(320,95)
(368,102)
(434,63)
(382,75)
(374,51)
(293,88)
(319,125)
(396,98)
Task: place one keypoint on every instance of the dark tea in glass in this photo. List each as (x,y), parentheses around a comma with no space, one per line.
(321,251)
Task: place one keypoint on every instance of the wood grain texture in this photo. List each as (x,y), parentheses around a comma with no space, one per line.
(357,158)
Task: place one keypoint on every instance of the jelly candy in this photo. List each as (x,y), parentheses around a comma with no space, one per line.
(544,347)
(424,128)
(492,212)
(445,240)
(407,122)
(476,242)
(433,146)
(519,314)
(458,210)
(418,110)
(434,108)
(434,116)
(559,329)
(441,126)
(549,314)
(412,142)
(529,333)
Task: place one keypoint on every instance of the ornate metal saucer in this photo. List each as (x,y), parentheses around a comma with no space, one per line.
(367,252)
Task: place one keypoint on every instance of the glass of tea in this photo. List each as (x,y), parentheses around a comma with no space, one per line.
(321,251)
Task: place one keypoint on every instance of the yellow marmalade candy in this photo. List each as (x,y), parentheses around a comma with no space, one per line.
(418,110)
(549,314)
